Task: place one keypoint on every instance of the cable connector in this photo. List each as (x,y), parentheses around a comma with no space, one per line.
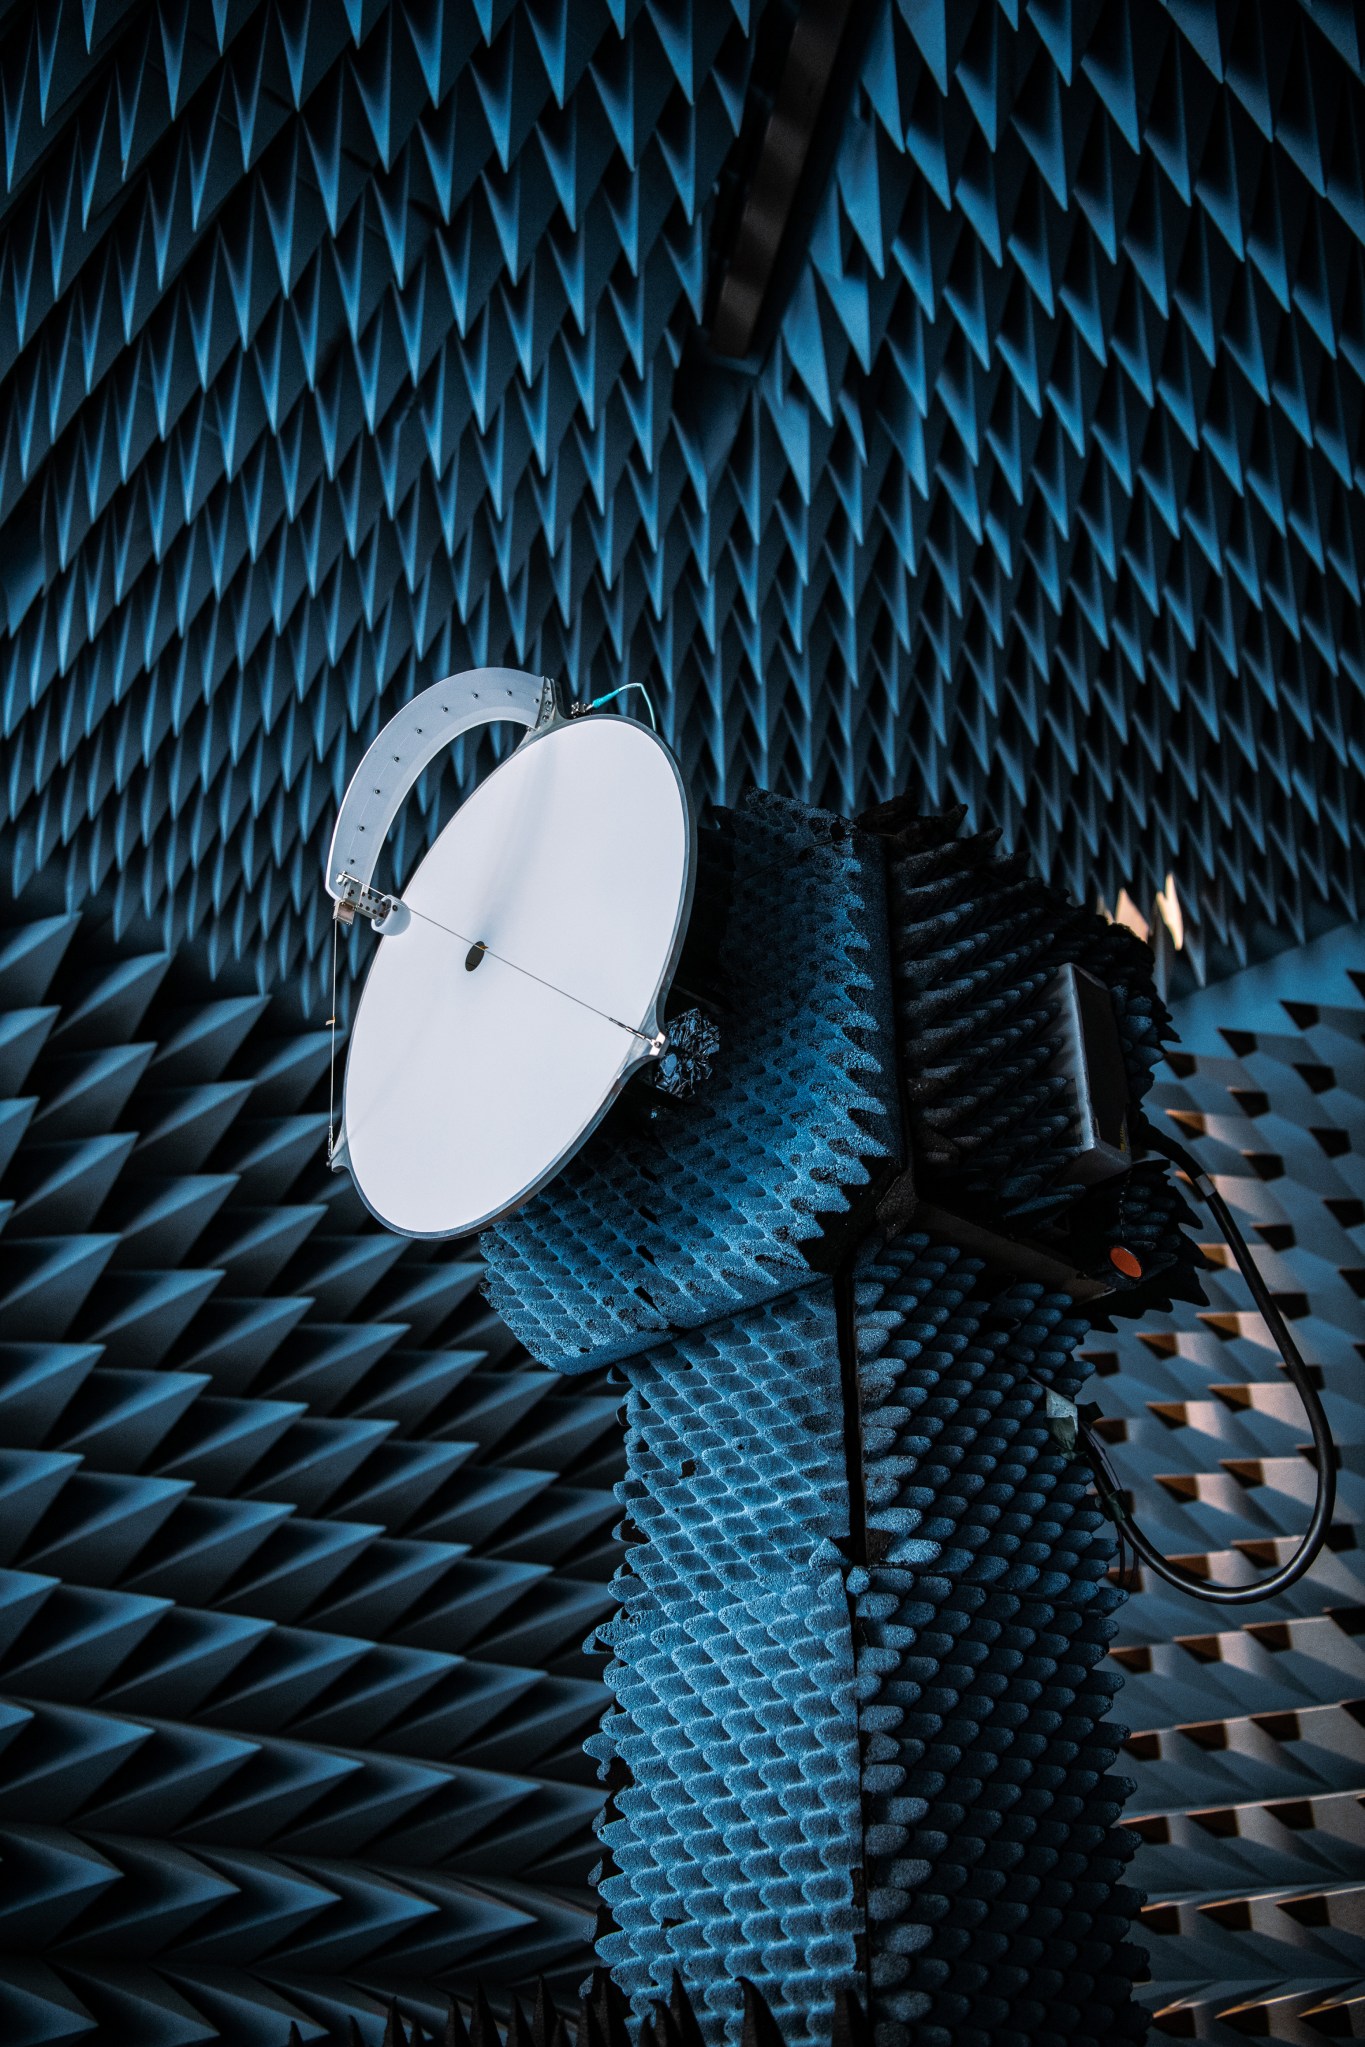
(581,710)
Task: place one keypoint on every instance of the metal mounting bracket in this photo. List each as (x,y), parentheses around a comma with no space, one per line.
(354,899)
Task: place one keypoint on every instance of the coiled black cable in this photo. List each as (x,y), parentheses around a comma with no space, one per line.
(1321,1520)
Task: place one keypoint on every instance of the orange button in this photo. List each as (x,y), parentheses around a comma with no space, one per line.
(1122,1259)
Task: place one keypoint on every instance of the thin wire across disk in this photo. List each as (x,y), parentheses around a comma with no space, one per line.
(539,979)
(569,870)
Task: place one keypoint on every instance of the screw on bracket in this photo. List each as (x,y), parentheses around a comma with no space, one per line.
(355,897)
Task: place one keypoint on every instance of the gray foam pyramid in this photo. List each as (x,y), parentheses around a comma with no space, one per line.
(859,1721)
(297,1555)
(348,344)
(1247,1753)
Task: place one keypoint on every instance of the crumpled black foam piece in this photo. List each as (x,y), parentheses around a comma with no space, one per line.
(689,1057)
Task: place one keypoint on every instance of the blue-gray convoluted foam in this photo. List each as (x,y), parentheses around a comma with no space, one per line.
(732,1751)
(946,1843)
(669,1220)
(995,1907)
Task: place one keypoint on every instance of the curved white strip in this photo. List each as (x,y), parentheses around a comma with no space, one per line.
(410,741)
(497,1024)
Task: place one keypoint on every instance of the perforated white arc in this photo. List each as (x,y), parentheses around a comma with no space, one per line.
(466,1090)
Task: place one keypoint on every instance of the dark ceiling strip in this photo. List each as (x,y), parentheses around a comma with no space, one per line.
(811,63)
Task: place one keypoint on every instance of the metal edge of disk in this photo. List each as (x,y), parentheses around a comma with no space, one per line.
(650,1024)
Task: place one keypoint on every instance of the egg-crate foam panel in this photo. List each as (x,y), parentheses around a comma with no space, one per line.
(977,942)
(675,1214)
(996,1910)
(734,1829)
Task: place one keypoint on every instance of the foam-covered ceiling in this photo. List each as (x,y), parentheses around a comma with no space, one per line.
(344,345)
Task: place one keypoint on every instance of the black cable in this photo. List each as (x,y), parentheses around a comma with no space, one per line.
(1106,1485)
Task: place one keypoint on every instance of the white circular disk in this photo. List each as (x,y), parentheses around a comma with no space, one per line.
(466,1090)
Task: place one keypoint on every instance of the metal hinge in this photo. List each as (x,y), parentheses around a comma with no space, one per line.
(554,704)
